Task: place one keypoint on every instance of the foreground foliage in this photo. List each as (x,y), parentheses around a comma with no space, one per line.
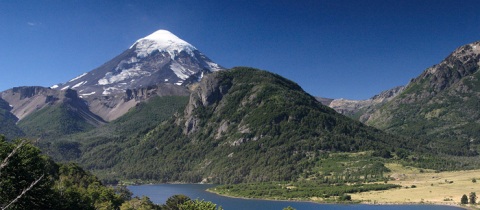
(30,180)
(199,205)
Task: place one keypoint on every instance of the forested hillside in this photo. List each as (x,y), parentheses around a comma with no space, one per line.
(239,125)
(120,134)
(8,121)
(441,105)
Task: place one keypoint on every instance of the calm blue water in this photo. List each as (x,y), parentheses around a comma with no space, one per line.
(160,193)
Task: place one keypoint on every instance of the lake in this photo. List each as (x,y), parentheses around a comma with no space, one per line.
(161,192)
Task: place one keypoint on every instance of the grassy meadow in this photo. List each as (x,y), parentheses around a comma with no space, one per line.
(419,186)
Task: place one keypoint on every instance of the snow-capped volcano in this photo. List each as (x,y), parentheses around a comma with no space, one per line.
(158,58)
(162,40)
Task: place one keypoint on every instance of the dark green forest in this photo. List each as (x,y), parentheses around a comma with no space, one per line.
(8,122)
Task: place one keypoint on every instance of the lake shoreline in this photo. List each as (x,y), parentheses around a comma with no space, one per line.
(346,203)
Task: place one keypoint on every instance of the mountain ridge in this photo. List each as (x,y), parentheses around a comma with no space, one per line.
(441,105)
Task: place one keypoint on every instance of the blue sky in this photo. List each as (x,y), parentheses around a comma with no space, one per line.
(336,48)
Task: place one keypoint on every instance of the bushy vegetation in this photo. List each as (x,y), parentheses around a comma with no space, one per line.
(333,177)
(199,205)
(304,190)
(464,199)
(30,180)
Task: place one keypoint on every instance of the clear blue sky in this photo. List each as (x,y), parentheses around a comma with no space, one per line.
(336,48)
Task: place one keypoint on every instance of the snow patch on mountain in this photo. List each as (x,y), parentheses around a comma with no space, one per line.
(213,66)
(54,87)
(87,94)
(79,84)
(109,90)
(78,77)
(181,71)
(66,87)
(135,71)
(162,41)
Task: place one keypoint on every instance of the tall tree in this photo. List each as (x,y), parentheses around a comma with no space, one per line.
(473,198)
(464,199)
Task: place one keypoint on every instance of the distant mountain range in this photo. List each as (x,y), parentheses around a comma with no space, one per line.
(352,107)
(163,111)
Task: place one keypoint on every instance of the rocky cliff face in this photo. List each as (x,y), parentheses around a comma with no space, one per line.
(207,93)
(463,62)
